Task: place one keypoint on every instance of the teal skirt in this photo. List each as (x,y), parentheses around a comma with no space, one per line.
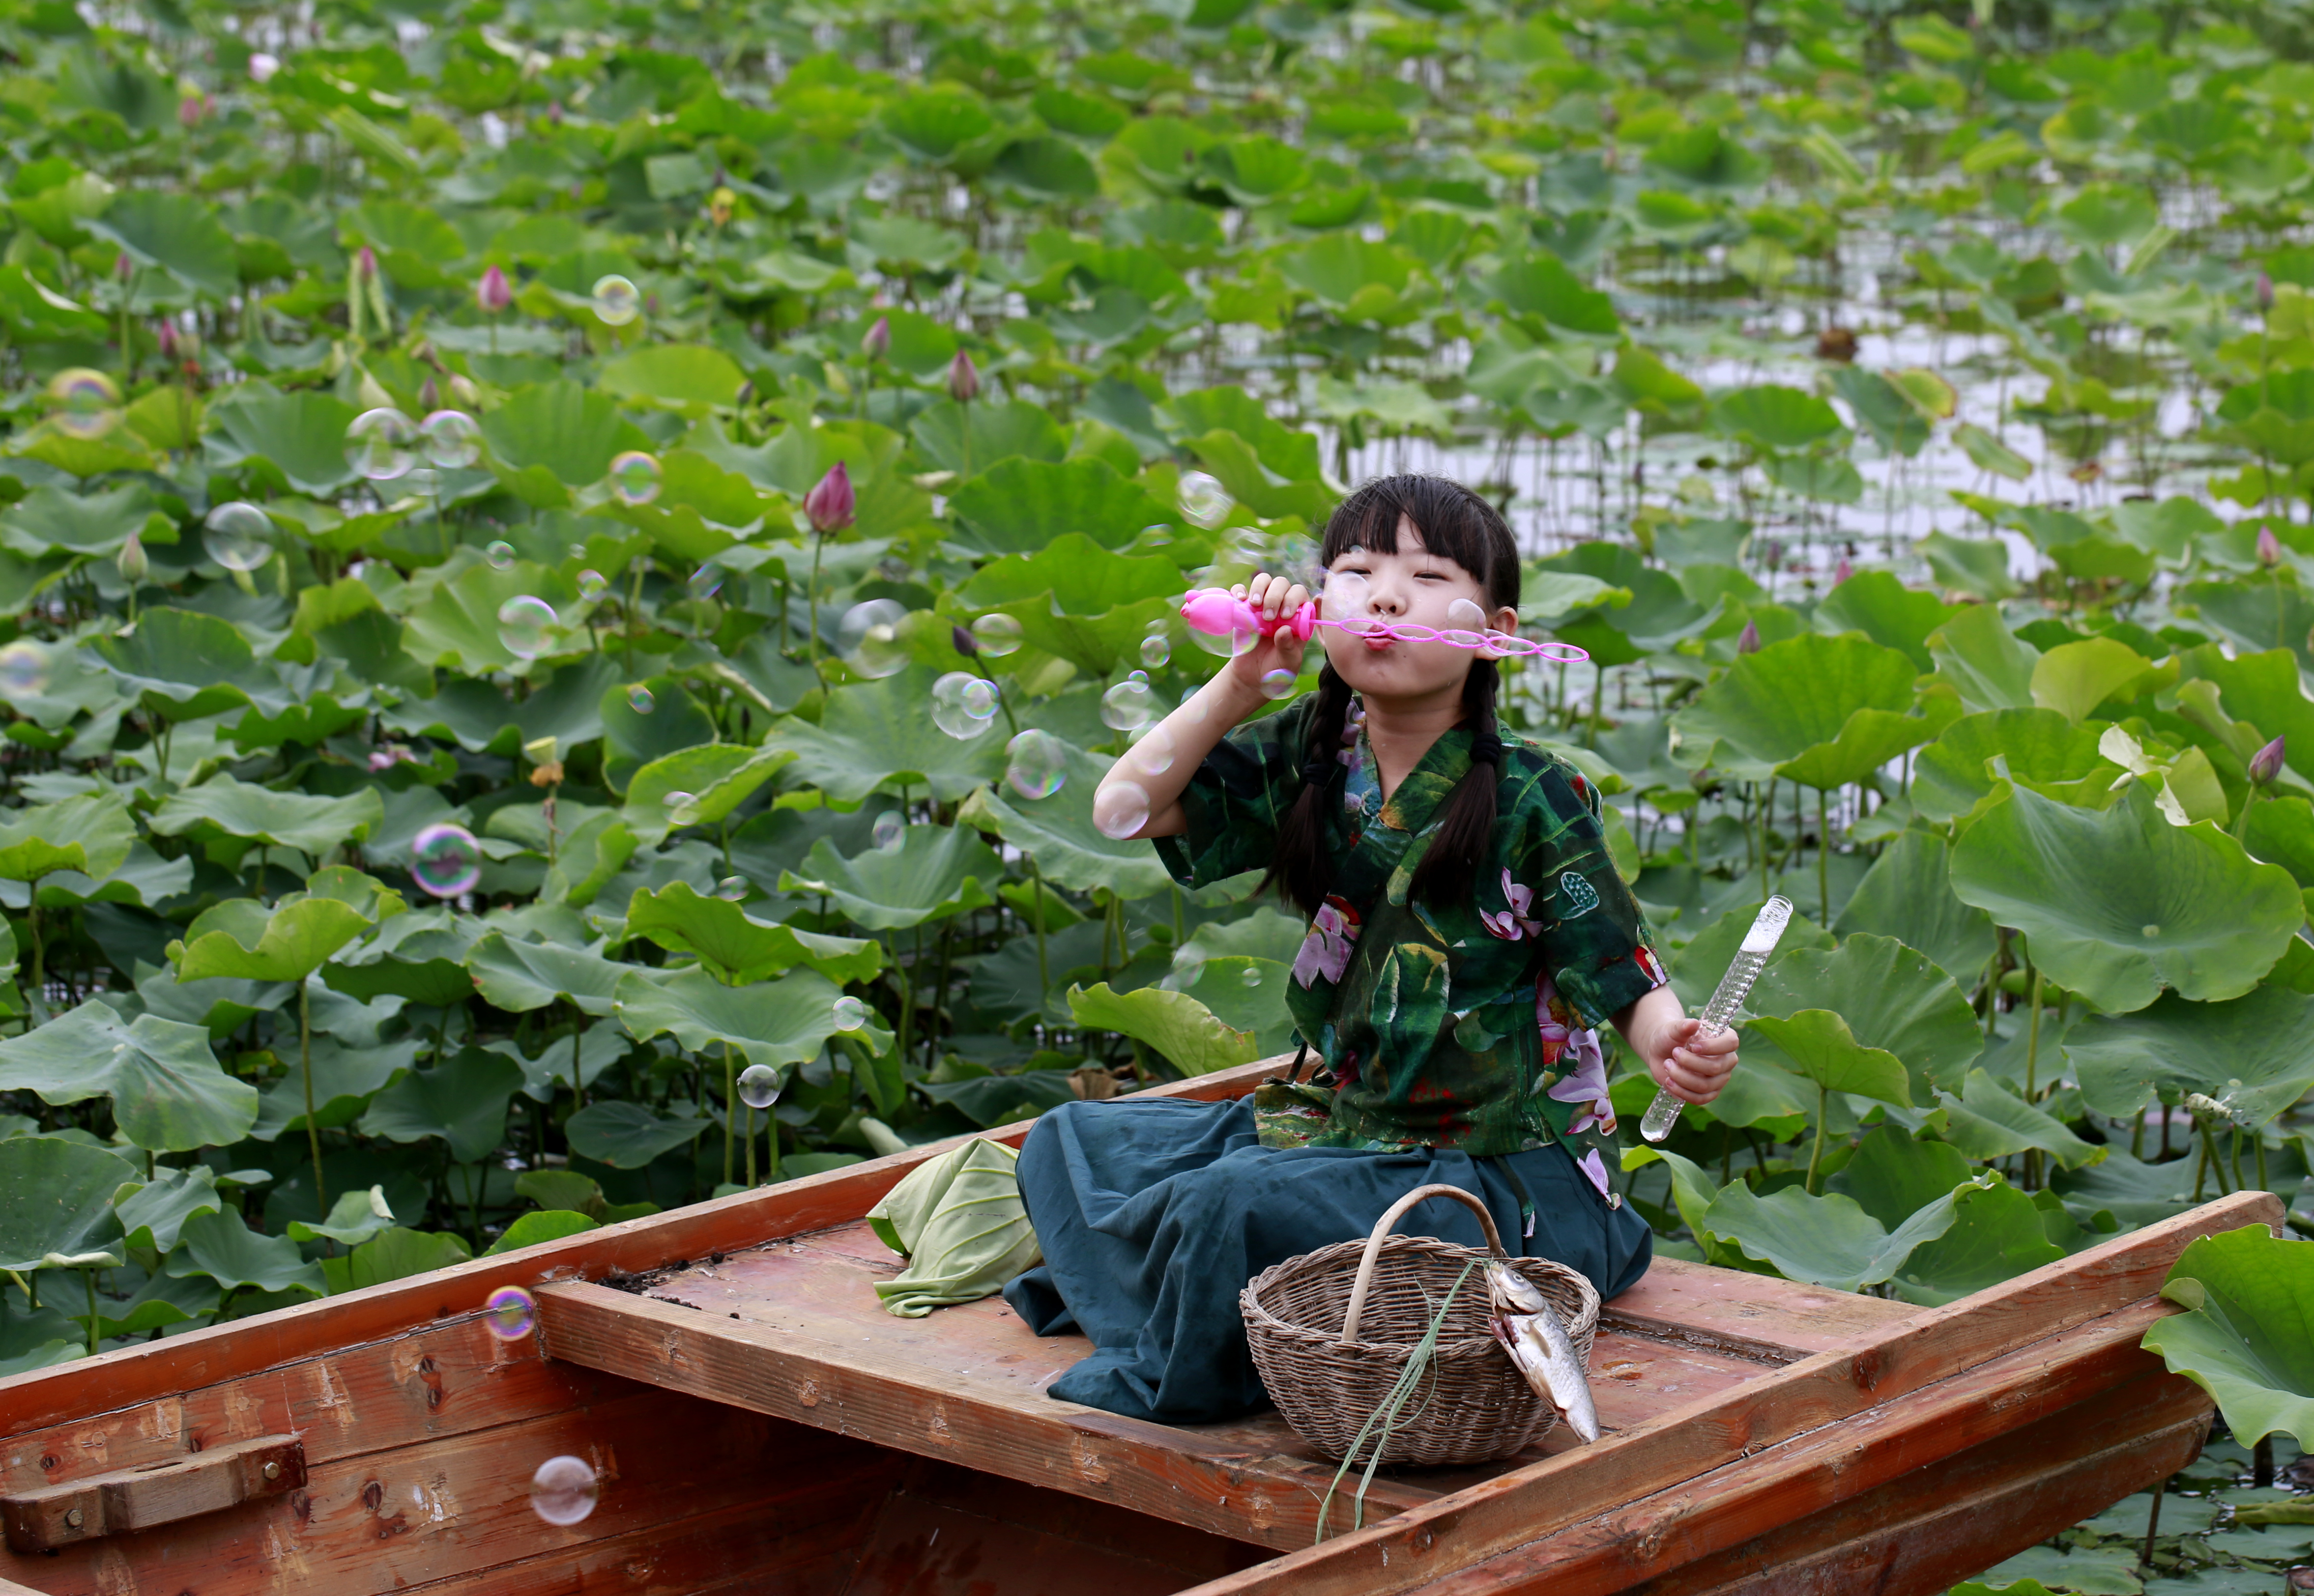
(1153,1215)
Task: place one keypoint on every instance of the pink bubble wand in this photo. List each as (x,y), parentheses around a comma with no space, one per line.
(1218,612)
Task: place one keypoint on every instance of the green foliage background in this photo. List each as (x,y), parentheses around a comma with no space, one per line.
(1968,636)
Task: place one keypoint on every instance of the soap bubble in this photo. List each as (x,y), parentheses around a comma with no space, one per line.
(238,536)
(592,585)
(510,1313)
(676,803)
(1203,499)
(616,302)
(635,477)
(1120,809)
(1466,624)
(1154,752)
(731,888)
(705,582)
(450,440)
(87,403)
(887,829)
(23,668)
(759,1086)
(1347,597)
(1251,977)
(640,700)
(524,625)
(869,638)
(997,635)
(1035,764)
(382,445)
(563,1490)
(850,1014)
(1156,650)
(1277,684)
(500,555)
(1128,704)
(445,860)
(954,698)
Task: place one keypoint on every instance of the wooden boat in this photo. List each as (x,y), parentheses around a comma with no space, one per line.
(759,1423)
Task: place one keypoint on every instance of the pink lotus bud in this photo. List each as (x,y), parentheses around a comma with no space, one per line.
(877,338)
(963,379)
(191,109)
(123,266)
(2265,292)
(1841,572)
(429,397)
(493,292)
(554,112)
(165,335)
(1747,641)
(2265,764)
(364,263)
(830,503)
(262,66)
(2269,547)
(963,640)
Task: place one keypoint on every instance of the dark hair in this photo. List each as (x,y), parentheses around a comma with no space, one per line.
(1456,525)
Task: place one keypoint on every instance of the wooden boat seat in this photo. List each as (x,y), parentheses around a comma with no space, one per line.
(794,1329)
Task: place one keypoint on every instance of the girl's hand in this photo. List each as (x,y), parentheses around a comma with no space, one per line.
(1276,600)
(1693,1068)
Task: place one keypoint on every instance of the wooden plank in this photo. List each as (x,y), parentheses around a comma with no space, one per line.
(461,1503)
(971,1420)
(442,1379)
(1922,1534)
(74,1392)
(182,1487)
(2092,1380)
(1685,1442)
(1753,1315)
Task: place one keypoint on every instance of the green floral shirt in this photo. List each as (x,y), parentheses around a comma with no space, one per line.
(1469,1026)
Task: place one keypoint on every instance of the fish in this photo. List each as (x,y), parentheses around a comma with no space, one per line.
(1531,1331)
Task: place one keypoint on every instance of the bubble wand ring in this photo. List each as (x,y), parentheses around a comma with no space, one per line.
(1218,612)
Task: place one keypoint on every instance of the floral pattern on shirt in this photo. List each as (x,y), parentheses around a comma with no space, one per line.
(1433,1017)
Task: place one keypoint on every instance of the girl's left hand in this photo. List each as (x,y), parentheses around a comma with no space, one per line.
(1693,1068)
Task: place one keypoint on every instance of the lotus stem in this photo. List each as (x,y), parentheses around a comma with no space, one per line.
(751,1144)
(2152,1523)
(89,1277)
(305,1060)
(730,1097)
(1822,857)
(1815,1154)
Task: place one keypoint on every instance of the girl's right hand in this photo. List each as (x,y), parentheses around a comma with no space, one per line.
(1276,600)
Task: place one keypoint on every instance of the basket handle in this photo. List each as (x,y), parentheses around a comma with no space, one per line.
(1381,1228)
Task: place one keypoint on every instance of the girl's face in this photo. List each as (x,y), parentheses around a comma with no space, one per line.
(1411,587)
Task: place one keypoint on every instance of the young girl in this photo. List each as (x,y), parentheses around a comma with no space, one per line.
(1468,930)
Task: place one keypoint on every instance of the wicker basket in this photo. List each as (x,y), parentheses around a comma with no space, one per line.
(1305,1318)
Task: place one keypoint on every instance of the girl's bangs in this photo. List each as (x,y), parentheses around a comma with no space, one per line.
(1455,523)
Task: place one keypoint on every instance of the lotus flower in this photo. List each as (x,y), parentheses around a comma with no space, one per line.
(830,504)
(191,109)
(2269,547)
(877,339)
(1747,641)
(964,642)
(493,292)
(1842,571)
(364,263)
(2265,764)
(2265,292)
(134,562)
(963,379)
(262,66)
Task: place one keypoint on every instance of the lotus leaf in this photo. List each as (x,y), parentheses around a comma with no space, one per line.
(185,665)
(2118,904)
(873,733)
(1071,851)
(1907,895)
(627,1135)
(2038,748)
(396,1253)
(520,976)
(221,806)
(1986,1120)
(57,1198)
(222,1247)
(91,835)
(930,873)
(354,1217)
(1826,1240)
(1823,710)
(532,1229)
(743,949)
(775,1022)
(238,938)
(168,1094)
(462,1102)
(2254,1054)
(1172,1024)
(1996,1234)
(2247,1335)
